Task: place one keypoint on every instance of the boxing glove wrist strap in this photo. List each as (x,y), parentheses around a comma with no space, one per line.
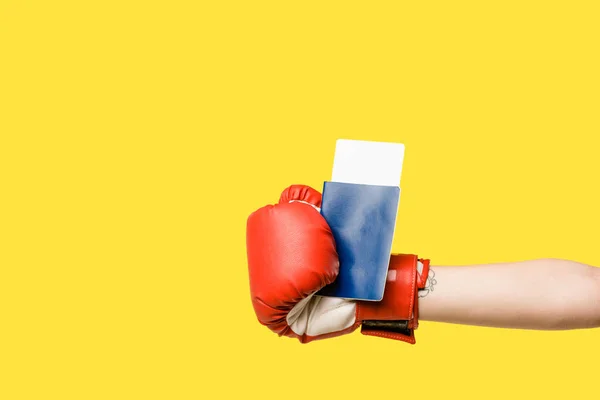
(397,315)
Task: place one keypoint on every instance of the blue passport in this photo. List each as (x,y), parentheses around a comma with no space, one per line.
(362,219)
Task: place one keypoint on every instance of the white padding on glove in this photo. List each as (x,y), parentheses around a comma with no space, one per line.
(316,315)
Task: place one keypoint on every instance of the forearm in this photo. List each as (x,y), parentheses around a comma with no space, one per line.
(539,294)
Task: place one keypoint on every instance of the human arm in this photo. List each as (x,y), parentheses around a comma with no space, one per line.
(545,294)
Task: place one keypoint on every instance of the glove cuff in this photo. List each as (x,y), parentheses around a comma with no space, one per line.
(396,316)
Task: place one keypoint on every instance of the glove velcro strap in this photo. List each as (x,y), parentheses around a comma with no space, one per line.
(396,315)
(400,327)
(397,330)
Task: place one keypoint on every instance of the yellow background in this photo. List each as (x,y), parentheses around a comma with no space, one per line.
(136,137)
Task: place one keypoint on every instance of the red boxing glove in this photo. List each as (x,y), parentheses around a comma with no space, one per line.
(291,256)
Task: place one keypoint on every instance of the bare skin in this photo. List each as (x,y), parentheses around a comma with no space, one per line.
(545,294)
